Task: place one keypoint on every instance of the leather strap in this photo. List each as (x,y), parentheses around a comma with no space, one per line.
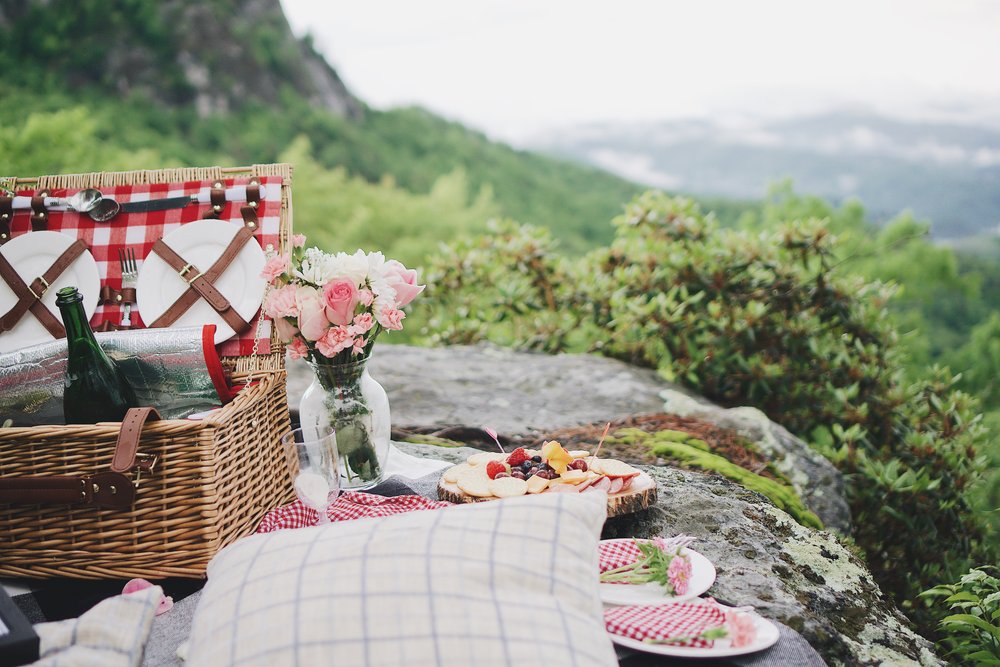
(6,217)
(128,438)
(190,296)
(115,296)
(217,197)
(105,489)
(29,297)
(249,210)
(39,214)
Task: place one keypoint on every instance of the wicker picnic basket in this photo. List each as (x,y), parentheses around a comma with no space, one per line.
(213,479)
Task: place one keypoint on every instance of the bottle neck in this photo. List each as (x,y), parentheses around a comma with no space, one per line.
(78,329)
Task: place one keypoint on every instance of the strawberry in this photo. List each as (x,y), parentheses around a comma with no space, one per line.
(517,457)
(494,468)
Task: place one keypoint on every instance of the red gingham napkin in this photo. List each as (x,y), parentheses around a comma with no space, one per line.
(350,505)
(140,231)
(666,621)
(616,553)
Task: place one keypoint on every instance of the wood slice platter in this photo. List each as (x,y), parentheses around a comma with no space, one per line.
(640,495)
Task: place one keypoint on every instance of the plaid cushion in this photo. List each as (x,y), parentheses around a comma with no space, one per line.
(510,582)
(140,231)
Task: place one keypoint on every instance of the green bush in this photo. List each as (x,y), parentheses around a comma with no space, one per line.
(972,633)
(762,319)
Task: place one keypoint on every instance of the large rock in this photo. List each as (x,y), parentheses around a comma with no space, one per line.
(804,578)
(524,393)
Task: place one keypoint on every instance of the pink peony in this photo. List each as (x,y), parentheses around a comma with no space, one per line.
(285,329)
(298,240)
(298,349)
(363,323)
(359,345)
(336,339)
(679,574)
(365,297)
(391,318)
(340,298)
(275,266)
(740,629)
(312,313)
(136,585)
(403,280)
(281,303)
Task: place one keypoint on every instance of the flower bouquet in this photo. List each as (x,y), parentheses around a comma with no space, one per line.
(329,309)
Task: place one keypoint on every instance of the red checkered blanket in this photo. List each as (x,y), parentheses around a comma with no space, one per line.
(139,231)
(350,505)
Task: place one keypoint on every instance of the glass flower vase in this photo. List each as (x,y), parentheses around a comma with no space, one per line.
(345,398)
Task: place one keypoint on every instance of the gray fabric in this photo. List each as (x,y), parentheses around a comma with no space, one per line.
(170,630)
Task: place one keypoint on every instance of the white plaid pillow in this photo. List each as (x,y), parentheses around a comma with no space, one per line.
(510,582)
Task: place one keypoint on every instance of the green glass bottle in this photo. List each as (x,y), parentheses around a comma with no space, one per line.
(96,390)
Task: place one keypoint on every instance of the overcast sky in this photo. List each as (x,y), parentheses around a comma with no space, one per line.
(516,67)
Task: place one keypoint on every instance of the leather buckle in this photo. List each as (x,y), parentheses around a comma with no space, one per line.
(189,267)
(144,463)
(44,289)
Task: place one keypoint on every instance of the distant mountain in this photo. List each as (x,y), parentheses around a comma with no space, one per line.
(949,174)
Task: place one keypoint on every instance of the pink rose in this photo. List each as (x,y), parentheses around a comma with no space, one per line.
(391,318)
(336,339)
(363,323)
(340,297)
(285,329)
(740,629)
(136,585)
(365,297)
(359,346)
(281,303)
(403,280)
(298,349)
(298,240)
(275,266)
(312,313)
(679,573)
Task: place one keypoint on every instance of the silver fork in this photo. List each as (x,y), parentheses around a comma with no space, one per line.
(130,272)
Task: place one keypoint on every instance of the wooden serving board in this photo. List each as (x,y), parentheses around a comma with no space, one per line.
(640,495)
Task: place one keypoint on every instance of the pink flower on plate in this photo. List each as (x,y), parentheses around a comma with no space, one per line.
(275,266)
(312,313)
(679,573)
(298,240)
(298,349)
(403,280)
(136,585)
(740,628)
(363,323)
(336,339)
(281,303)
(391,318)
(340,297)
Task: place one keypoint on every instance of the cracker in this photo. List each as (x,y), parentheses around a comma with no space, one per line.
(508,487)
(474,482)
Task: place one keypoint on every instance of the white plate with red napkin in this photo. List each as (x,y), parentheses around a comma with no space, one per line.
(700,628)
(616,553)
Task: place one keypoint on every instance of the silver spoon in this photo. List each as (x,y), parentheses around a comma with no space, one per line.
(104,209)
(93,203)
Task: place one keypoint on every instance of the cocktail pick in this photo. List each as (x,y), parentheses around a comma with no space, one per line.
(493,434)
(607,427)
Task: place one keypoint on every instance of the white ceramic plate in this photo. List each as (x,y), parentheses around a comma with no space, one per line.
(201,243)
(767,636)
(702,578)
(31,255)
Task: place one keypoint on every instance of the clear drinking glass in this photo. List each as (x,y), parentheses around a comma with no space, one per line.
(313,467)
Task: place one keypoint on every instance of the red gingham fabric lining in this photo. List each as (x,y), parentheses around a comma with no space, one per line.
(666,621)
(350,505)
(140,231)
(614,554)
